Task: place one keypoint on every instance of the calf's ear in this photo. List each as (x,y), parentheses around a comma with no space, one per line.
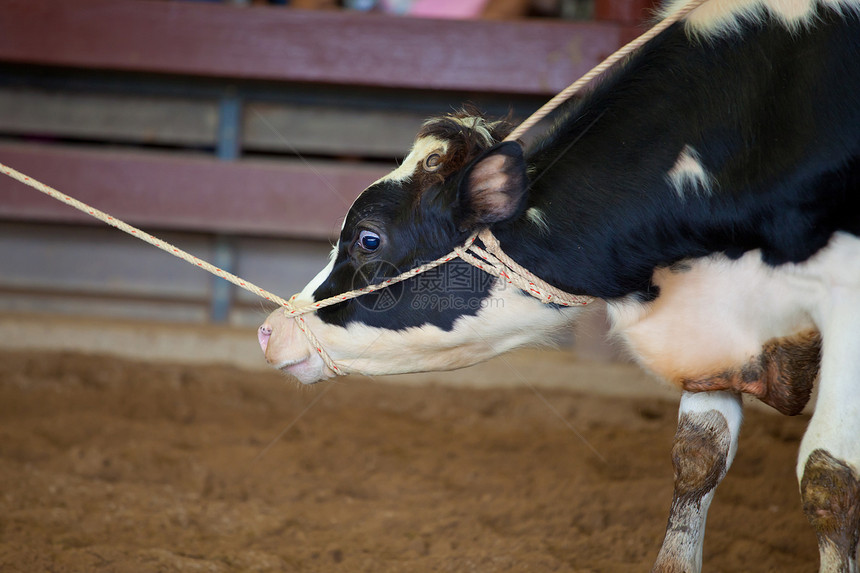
(493,188)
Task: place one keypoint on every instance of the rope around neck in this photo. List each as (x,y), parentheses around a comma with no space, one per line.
(490,259)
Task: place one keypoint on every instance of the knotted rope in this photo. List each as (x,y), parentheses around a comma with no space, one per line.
(491,258)
(501,265)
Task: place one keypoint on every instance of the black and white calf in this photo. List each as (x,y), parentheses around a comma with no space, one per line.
(709,191)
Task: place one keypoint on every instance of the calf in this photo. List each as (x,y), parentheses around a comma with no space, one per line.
(708,190)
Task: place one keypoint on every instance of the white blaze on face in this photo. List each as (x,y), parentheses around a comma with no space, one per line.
(424,146)
(413,162)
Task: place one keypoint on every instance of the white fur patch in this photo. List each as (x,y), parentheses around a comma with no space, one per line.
(718,17)
(689,173)
(420,150)
(536,216)
(424,146)
(717,315)
(476,124)
(480,126)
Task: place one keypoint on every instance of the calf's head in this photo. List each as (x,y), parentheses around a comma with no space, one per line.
(457,179)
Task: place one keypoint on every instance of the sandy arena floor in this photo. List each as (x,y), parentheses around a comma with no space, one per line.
(110,465)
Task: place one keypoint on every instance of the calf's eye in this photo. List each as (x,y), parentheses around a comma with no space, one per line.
(368,241)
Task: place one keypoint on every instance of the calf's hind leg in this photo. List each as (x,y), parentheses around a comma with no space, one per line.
(829,463)
(704,447)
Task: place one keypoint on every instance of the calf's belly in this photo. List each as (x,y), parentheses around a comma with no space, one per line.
(722,324)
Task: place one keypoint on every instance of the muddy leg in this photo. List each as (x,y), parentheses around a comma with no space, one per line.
(829,463)
(705,445)
(830,490)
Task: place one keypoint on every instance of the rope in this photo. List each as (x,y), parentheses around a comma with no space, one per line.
(491,259)
(173,250)
(503,266)
(142,235)
(600,68)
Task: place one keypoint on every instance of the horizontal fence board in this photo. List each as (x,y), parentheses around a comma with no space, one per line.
(108,117)
(40,259)
(289,128)
(85,270)
(70,304)
(266,43)
(287,198)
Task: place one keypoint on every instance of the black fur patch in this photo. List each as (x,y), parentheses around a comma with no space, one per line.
(773,114)
(775,118)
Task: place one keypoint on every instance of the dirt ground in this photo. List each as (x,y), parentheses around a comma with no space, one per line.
(111,465)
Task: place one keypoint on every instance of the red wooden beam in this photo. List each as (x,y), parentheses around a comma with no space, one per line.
(625,11)
(169,191)
(527,57)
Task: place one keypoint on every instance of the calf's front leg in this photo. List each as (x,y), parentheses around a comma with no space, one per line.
(704,447)
(829,463)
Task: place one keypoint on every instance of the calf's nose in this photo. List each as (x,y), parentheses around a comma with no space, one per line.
(263,335)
